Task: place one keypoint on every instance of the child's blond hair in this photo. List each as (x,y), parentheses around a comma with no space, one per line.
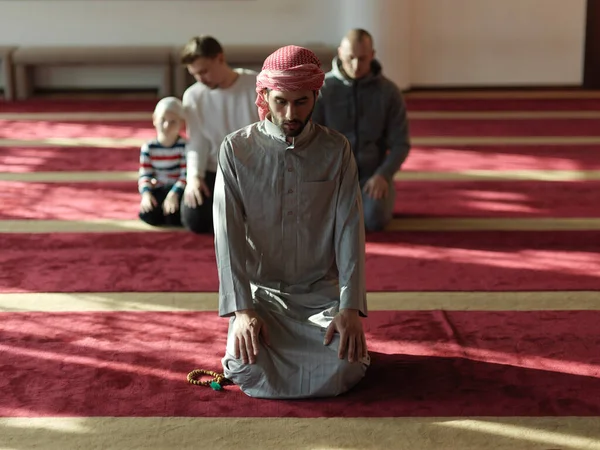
(172,104)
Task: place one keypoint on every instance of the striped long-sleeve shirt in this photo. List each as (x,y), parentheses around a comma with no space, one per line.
(162,166)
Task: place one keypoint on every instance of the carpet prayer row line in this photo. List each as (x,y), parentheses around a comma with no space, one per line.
(484,293)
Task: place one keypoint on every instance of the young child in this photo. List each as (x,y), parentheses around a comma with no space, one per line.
(162,171)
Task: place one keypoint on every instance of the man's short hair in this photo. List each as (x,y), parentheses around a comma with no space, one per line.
(359,35)
(200,47)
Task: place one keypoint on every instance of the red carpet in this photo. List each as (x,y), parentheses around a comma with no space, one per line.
(497,199)
(14,129)
(120,200)
(502,104)
(60,159)
(48,105)
(577,157)
(396,261)
(69,201)
(482,128)
(414,104)
(424,364)
(543,157)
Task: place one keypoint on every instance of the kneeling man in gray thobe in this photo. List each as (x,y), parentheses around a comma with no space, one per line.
(290,243)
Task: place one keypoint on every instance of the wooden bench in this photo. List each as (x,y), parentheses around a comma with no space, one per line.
(26,59)
(6,53)
(245,56)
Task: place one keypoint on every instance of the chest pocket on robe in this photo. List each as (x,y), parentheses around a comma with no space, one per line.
(317,200)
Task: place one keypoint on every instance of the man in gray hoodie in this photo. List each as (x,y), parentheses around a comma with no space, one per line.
(358,101)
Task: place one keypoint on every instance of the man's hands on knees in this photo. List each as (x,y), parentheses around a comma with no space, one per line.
(376,187)
(352,337)
(247,327)
(195,190)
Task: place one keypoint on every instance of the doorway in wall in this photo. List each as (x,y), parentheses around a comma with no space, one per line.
(591,71)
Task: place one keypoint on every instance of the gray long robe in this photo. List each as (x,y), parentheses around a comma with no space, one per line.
(290,244)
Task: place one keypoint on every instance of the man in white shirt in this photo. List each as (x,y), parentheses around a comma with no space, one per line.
(220,102)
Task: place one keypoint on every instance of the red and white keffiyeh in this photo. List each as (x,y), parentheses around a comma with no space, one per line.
(290,68)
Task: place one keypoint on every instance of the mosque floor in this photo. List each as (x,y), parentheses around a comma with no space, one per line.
(484,292)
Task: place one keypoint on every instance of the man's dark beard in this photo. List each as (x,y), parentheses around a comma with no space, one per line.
(295,132)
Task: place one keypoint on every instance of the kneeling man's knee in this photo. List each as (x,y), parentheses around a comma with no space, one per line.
(350,373)
(247,376)
(197,220)
(376,219)
(377,213)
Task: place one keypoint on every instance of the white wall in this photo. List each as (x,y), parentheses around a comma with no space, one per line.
(500,42)
(41,22)
(421,42)
(389,23)
(158,22)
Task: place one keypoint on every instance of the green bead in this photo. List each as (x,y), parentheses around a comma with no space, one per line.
(216,386)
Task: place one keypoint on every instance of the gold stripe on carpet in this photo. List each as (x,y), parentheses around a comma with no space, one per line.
(402,433)
(495,175)
(442,141)
(113,116)
(433,224)
(502,115)
(505,94)
(90,95)
(377,301)
(496,224)
(406,175)
(71,177)
(79,116)
(79,226)
(83,141)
